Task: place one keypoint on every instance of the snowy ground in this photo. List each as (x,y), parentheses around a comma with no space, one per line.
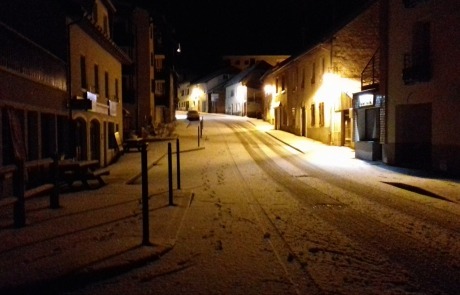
(265,218)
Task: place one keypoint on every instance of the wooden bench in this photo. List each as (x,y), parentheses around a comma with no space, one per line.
(4,172)
(25,188)
(133,143)
(98,173)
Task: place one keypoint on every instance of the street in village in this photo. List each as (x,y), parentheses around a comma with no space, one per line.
(260,211)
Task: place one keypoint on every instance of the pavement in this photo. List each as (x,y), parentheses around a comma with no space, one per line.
(99,233)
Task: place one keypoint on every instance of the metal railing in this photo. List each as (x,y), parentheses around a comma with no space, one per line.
(370,76)
(22,56)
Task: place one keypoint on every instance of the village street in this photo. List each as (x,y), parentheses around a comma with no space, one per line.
(269,219)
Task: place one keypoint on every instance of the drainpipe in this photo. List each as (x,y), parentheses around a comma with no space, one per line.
(69,89)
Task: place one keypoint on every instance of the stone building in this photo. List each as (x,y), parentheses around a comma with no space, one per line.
(311,94)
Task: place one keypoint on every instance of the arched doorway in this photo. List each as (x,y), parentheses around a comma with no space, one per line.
(94,140)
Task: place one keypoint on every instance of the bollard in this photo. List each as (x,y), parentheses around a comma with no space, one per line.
(201,127)
(170,181)
(145,196)
(198,136)
(178,163)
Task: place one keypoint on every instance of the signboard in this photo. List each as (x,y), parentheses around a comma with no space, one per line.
(93,97)
(366,100)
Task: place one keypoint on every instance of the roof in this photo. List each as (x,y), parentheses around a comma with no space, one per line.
(221,71)
(251,76)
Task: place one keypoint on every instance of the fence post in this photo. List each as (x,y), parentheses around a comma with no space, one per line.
(178,163)
(145,197)
(20,206)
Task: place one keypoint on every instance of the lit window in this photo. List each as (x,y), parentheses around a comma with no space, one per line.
(312,114)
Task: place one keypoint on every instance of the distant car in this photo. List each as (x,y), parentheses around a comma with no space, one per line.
(193,115)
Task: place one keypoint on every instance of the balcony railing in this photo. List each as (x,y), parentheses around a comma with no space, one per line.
(20,55)
(370,76)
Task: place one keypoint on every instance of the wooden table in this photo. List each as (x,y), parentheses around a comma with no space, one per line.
(72,171)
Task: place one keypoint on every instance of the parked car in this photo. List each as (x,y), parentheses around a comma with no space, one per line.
(193,115)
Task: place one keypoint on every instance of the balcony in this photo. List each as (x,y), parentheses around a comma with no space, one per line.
(370,76)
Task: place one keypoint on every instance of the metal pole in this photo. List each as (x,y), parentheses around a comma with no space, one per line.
(170,180)
(145,197)
(54,198)
(178,163)
(201,127)
(198,136)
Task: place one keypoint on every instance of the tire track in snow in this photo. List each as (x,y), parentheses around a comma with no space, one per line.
(431,266)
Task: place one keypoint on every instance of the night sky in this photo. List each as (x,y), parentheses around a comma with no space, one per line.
(208,29)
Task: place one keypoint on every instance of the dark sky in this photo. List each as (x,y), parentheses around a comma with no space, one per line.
(208,29)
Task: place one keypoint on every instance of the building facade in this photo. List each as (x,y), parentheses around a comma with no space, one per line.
(95,84)
(244,93)
(134,33)
(421,87)
(33,82)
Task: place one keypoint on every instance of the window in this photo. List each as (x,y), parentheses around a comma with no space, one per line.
(283,83)
(116,89)
(106,25)
(312,115)
(321,114)
(302,82)
(84,82)
(158,64)
(160,87)
(106,84)
(313,73)
(417,63)
(95,12)
(277,85)
(96,78)
(323,65)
